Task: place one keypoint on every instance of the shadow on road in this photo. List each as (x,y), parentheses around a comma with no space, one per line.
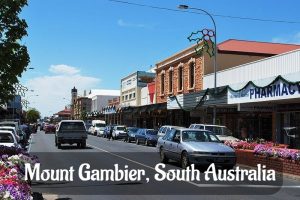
(73,147)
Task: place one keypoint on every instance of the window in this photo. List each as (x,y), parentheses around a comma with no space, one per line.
(122,98)
(171,80)
(133,95)
(126,97)
(162,84)
(180,78)
(130,96)
(192,75)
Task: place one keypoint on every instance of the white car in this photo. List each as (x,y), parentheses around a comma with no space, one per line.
(8,139)
(164,129)
(97,127)
(119,132)
(13,130)
(222,132)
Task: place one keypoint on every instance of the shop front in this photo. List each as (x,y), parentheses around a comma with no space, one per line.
(272,108)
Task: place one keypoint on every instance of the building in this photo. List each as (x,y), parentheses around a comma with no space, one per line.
(101,97)
(82,107)
(180,78)
(131,97)
(264,96)
(111,115)
(64,114)
(131,87)
(73,99)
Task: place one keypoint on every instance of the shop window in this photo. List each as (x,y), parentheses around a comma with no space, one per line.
(180,78)
(192,75)
(171,80)
(162,83)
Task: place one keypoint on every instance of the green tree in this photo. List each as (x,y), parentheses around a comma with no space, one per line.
(32,115)
(14,57)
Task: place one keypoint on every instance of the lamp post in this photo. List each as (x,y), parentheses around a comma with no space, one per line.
(215,47)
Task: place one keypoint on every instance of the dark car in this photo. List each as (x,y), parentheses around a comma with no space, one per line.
(131,132)
(50,128)
(146,136)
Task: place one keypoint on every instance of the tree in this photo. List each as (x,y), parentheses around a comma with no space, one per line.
(14,57)
(32,115)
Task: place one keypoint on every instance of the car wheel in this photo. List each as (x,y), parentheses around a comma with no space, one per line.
(58,145)
(184,160)
(78,145)
(163,158)
(137,141)
(83,144)
(146,142)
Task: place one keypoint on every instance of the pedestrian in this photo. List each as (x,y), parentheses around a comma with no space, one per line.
(110,133)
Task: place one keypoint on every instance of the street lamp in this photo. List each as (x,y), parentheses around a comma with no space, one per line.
(216,51)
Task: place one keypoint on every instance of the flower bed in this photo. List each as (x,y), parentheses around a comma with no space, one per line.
(12,174)
(273,156)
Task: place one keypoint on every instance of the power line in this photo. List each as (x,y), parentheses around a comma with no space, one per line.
(216,15)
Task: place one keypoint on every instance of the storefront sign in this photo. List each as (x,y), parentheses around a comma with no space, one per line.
(277,91)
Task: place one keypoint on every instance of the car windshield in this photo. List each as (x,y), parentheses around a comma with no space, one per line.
(6,138)
(219,130)
(100,125)
(152,132)
(121,128)
(198,136)
(72,126)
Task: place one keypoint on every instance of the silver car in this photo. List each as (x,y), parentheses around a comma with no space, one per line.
(194,146)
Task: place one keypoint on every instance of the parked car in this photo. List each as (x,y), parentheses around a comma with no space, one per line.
(7,138)
(98,127)
(131,132)
(146,136)
(70,132)
(222,132)
(13,130)
(194,146)
(164,129)
(119,131)
(16,126)
(49,128)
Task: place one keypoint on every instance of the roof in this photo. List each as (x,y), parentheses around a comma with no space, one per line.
(100,92)
(256,47)
(66,111)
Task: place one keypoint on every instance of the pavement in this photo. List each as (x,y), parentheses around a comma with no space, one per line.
(103,154)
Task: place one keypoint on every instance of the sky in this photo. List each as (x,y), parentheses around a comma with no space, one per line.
(92,44)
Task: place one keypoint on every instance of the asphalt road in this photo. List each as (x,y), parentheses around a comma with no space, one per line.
(103,154)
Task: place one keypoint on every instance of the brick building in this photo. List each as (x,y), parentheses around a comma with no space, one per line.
(182,74)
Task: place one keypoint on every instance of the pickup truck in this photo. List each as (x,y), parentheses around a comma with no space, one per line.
(70,132)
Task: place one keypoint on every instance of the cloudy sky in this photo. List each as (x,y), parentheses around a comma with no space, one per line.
(93,44)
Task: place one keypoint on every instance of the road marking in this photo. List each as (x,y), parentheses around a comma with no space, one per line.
(197,184)
(121,156)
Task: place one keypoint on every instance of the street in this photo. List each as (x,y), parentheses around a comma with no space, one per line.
(103,154)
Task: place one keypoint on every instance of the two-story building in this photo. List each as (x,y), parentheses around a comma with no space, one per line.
(179,78)
(131,96)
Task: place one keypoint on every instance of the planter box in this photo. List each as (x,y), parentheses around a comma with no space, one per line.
(247,157)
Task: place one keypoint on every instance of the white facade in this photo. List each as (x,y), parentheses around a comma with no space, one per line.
(281,64)
(131,88)
(100,98)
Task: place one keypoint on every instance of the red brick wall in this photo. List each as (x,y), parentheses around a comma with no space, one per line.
(185,64)
(247,157)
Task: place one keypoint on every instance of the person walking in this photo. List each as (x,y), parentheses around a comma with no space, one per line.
(110,137)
